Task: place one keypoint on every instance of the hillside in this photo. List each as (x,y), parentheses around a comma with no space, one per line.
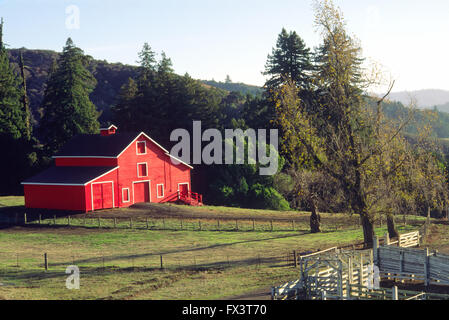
(236,87)
(424,98)
(110,77)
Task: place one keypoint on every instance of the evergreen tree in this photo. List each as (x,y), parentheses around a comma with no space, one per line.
(165,65)
(12,122)
(291,59)
(123,111)
(25,100)
(18,157)
(67,108)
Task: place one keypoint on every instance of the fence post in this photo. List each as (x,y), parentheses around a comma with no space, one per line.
(54,219)
(45,261)
(236,224)
(162,263)
(68,220)
(387,239)
(199,224)
(361,280)
(40,218)
(340,279)
(395,295)
(25,218)
(218,224)
(84,220)
(271,223)
(115,223)
(426,268)
(350,271)
(99,222)
(376,251)
(323,295)
(293,225)
(348,289)
(146,220)
(130,222)
(295,257)
(254,226)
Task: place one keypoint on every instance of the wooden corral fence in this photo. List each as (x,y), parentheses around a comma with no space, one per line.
(412,264)
(335,273)
(329,269)
(357,292)
(406,240)
(327,278)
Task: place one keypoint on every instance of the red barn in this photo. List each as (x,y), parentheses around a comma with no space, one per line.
(110,170)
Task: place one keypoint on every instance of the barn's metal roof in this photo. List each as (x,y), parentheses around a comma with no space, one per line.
(98,146)
(76,176)
(95,145)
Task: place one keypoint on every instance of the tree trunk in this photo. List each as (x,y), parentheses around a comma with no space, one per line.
(368,230)
(315,218)
(392,231)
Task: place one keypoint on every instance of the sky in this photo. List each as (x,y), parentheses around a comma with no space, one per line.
(210,39)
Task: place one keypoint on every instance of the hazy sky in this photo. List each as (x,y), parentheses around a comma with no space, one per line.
(210,39)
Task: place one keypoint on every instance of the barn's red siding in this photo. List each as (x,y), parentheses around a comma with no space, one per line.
(110,177)
(110,187)
(55,197)
(160,171)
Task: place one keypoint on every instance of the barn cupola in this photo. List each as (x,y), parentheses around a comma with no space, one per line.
(108,131)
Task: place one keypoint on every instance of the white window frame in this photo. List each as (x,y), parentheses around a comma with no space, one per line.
(188,186)
(137,148)
(146,166)
(157,190)
(129,195)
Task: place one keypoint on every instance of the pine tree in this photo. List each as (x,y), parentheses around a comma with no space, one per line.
(25,100)
(18,157)
(12,122)
(165,65)
(291,59)
(123,111)
(67,108)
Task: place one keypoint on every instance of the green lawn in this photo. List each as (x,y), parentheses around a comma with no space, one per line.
(197,264)
(11,201)
(125,263)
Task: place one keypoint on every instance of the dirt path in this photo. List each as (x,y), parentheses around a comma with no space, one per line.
(261,294)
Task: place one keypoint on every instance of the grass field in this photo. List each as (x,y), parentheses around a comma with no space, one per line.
(126,263)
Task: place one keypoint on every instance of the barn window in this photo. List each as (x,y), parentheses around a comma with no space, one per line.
(125,195)
(141,147)
(142,170)
(160,190)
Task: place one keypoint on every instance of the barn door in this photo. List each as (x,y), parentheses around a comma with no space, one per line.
(183,189)
(141,191)
(102,196)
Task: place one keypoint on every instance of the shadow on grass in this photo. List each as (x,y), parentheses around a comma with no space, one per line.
(162,253)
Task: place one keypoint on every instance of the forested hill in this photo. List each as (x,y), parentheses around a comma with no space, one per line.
(235,87)
(110,77)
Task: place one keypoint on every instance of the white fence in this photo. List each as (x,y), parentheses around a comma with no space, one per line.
(413,264)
